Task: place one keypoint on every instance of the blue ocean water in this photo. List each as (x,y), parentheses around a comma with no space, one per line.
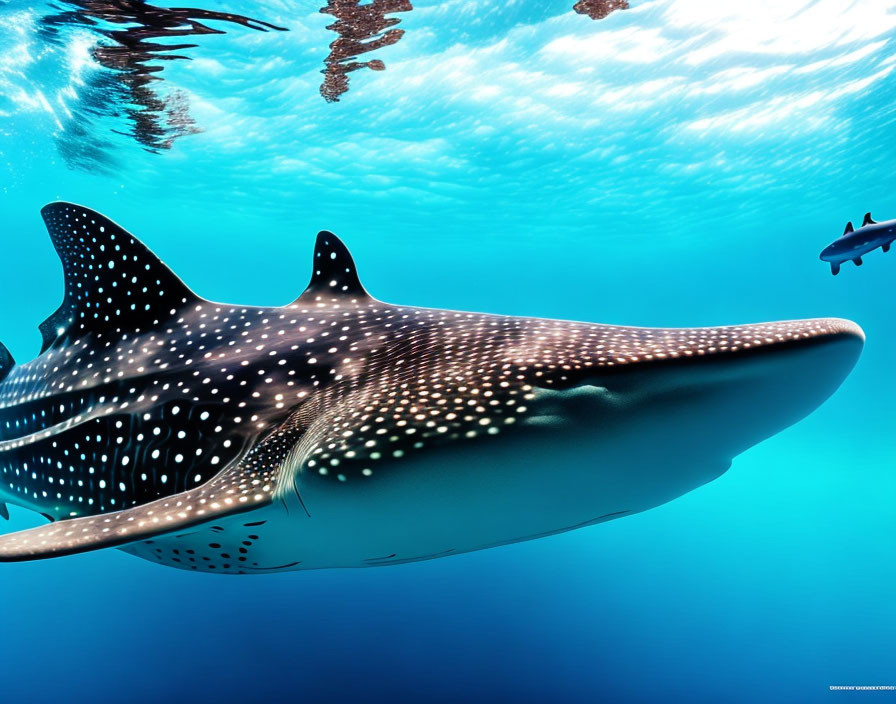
(678,163)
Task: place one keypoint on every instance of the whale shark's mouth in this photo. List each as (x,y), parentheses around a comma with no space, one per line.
(741,392)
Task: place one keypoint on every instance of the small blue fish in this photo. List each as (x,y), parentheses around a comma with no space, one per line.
(854,243)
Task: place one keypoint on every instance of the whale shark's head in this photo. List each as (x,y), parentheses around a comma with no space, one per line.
(151,410)
(729,385)
(479,430)
(555,400)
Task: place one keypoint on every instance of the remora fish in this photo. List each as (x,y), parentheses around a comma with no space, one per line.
(855,243)
(342,431)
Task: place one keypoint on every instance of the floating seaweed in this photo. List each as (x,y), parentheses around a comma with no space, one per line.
(361,28)
(599,9)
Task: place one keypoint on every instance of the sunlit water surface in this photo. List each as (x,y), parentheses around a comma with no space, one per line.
(681,162)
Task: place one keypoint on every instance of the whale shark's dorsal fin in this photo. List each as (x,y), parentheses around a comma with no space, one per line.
(6,361)
(334,275)
(848,228)
(868,220)
(113,282)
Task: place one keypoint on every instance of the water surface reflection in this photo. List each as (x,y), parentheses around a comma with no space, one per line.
(132,49)
(361,28)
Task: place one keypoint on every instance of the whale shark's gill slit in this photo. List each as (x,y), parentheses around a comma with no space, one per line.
(254,523)
(276,567)
(295,489)
(380,559)
(610,515)
(394,560)
(434,555)
(593,521)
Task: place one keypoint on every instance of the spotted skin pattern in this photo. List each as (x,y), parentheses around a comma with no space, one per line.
(152,411)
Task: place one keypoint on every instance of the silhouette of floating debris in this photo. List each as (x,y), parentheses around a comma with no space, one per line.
(361,28)
(599,9)
(132,56)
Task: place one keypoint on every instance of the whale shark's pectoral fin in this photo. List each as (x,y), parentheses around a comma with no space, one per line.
(885,246)
(857,261)
(249,484)
(835,268)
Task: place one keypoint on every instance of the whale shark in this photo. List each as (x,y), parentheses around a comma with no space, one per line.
(342,431)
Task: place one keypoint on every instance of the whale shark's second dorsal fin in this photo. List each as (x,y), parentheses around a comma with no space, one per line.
(334,276)
(848,228)
(113,282)
(868,220)
(6,361)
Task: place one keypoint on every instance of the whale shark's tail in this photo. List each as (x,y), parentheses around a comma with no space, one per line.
(6,361)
